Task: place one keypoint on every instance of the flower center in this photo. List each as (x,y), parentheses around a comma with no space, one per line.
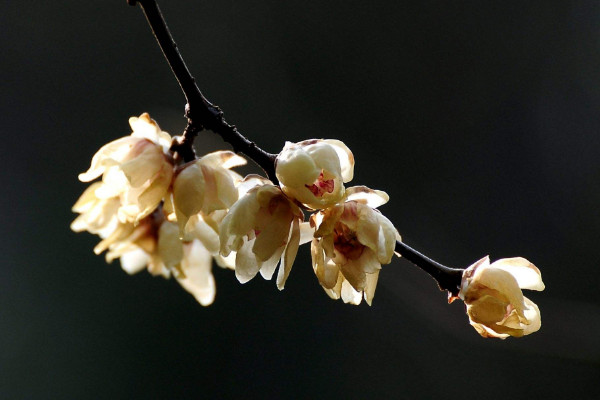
(321,186)
(346,242)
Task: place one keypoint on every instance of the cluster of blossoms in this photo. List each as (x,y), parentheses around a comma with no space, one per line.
(153,211)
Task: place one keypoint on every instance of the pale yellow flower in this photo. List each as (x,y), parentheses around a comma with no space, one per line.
(205,185)
(96,215)
(495,303)
(351,242)
(154,244)
(263,229)
(313,172)
(137,169)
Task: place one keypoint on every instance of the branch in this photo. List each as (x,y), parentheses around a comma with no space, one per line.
(200,112)
(447,278)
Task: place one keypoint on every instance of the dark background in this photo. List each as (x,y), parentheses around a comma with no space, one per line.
(480,119)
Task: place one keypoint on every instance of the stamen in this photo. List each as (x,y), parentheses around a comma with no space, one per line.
(321,186)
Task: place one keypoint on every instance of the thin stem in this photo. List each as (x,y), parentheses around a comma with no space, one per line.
(184,146)
(201,113)
(447,278)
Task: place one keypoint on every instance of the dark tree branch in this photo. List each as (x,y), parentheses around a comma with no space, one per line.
(447,278)
(201,113)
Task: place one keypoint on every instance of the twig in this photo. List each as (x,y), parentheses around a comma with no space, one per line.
(447,278)
(200,112)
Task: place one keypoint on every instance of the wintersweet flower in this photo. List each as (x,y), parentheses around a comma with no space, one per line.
(154,244)
(263,229)
(96,215)
(206,185)
(313,172)
(137,169)
(495,304)
(351,242)
(189,261)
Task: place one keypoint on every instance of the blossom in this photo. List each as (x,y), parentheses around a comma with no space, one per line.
(313,172)
(205,185)
(495,303)
(351,242)
(263,229)
(154,244)
(137,169)
(96,215)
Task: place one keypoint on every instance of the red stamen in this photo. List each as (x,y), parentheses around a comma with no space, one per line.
(321,186)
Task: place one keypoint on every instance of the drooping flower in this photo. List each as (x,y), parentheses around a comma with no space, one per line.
(351,242)
(137,169)
(263,229)
(205,185)
(495,303)
(313,172)
(154,244)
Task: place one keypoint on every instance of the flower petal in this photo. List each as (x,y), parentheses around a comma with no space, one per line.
(109,154)
(134,261)
(289,255)
(532,313)
(370,197)
(345,156)
(527,275)
(170,248)
(188,193)
(223,159)
(246,266)
(370,287)
(198,280)
(503,282)
(349,294)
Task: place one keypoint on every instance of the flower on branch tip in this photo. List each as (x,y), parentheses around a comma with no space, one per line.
(205,185)
(137,169)
(313,172)
(351,242)
(495,303)
(263,230)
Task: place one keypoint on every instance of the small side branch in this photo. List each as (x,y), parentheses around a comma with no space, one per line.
(447,278)
(201,113)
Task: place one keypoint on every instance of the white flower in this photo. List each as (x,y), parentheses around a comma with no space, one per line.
(262,228)
(97,216)
(189,261)
(154,244)
(205,185)
(137,169)
(313,172)
(350,243)
(495,304)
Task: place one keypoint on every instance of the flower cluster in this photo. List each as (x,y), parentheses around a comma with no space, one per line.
(154,212)
(495,304)
(143,216)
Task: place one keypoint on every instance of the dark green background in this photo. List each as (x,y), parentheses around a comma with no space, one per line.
(480,119)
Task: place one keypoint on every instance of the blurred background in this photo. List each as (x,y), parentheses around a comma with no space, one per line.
(479,119)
